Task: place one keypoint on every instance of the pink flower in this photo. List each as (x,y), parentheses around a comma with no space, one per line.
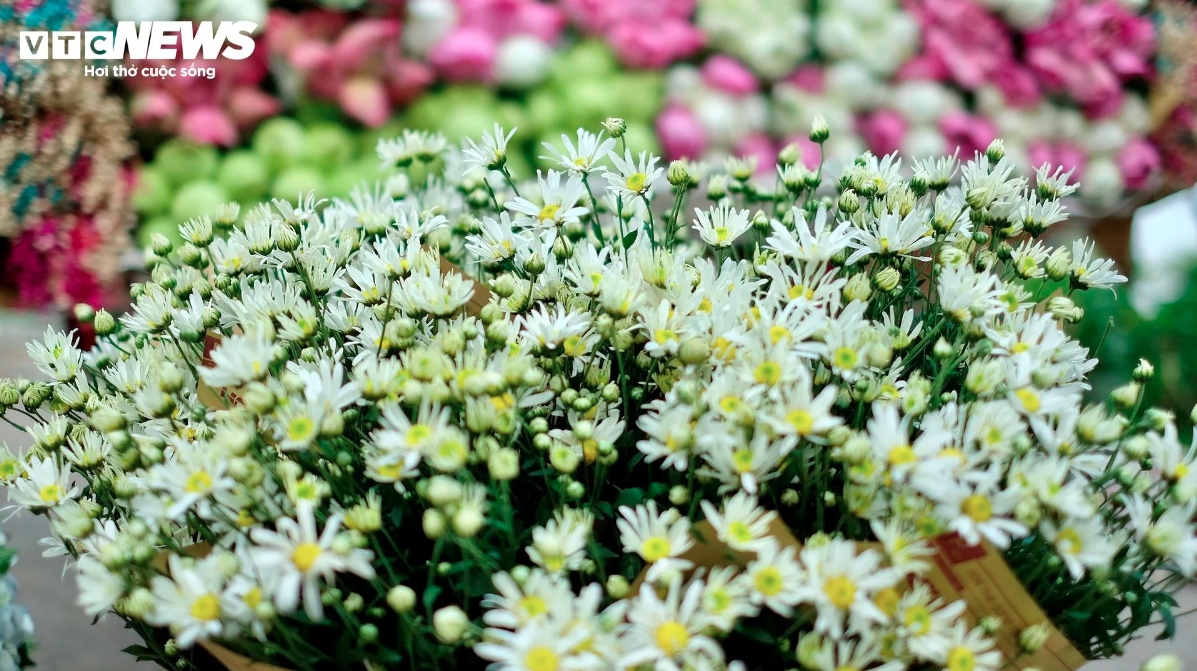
(407,79)
(1071,157)
(809,78)
(681,133)
(361,40)
(1018,86)
(968,133)
(505,18)
(466,54)
(961,42)
(208,124)
(883,131)
(1138,161)
(154,108)
(540,20)
(653,46)
(365,100)
(760,146)
(248,106)
(728,75)
(1041,153)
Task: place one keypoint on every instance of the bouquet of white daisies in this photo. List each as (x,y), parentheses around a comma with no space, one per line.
(619,416)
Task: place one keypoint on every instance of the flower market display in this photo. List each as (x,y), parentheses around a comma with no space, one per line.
(1065,83)
(16,627)
(614,415)
(64,176)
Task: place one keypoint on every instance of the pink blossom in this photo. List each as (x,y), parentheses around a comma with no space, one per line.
(809,78)
(653,46)
(728,75)
(505,18)
(883,131)
(407,79)
(249,106)
(361,40)
(540,20)
(208,124)
(465,54)
(962,43)
(758,145)
(365,100)
(1071,157)
(1018,86)
(681,133)
(968,133)
(1138,161)
(154,108)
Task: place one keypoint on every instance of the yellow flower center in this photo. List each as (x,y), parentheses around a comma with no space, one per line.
(655,548)
(672,638)
(1019,348)
(389,471)
(799,291)
(705,305)
(841,591)
(918,620)
(253,597)
(206,608)
(541,658)
(245,518)
(636,182)
(9,469)
(533,605)
(1029,400)
(845,358)
(51,494)
(548,212)
(977,507)
(305,556)
(417,433)
(887,601)
(901,454)
(768,581)
(961,659)
(1070,541)
(300,428)
(724,348)
(777,332)
(717,600)
(1180,471)
(739,532)
(730,404)
(742,460)
(801,420)
(768,372)
(503,402)
(662,336)
(199,483)
(722,233)
(574,346)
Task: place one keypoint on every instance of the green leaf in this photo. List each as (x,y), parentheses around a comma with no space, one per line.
(431,592)
(630,239)
(757,634)
(629,497)
(1169,621)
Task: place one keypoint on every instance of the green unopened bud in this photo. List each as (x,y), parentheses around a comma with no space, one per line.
(819,132)
(678,174)
(1144,371)
(717,187)
(694,351)
(401,598)
(887,279)
(849,202)
(1032,638)
(160,244)
(104,323)
(1127,395)
(615,126)
(857,288)
(617,586)
(996,151)
(990,624)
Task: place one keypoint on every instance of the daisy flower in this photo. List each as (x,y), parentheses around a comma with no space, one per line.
(1082,543)
(969,650)
(630,178)
(560,203)
(46,484)
(659,538)
(301,558)
(189,602)
(726,599)
(979,510)
(662,633)
(491,154)
(742,524)
(925,623)
(560,545)
(517,605)
(840,583)
(548,329)
(775,579)
(539,646)
(583,159)
(720,227)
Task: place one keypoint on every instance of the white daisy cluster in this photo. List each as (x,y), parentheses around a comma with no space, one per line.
(316,438)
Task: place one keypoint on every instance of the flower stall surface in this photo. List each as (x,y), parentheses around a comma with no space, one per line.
(616,415)
(64,189)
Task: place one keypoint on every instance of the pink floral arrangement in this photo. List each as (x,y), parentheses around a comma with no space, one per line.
(644,34)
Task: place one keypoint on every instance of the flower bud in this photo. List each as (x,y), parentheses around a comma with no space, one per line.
(401,598)
(996,151)
(717,187)
(468,521)
(160,244)
(857,288)
(564,458)
(170,378)
(1059,264)
(503,464)
(615,126)
(575,490)
(990,624)
(678,174)
(450,624)
(1127,395)
(433,523)
(694,351)
(84,313)
(819,132)
(849,202)
(1032,638)
(789,155)
(1144,371)
(887,279)
(617,586)
(679,495)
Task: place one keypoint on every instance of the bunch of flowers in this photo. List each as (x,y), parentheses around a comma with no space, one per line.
(561,423)
(357,63)
(64,182)
(16,627)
